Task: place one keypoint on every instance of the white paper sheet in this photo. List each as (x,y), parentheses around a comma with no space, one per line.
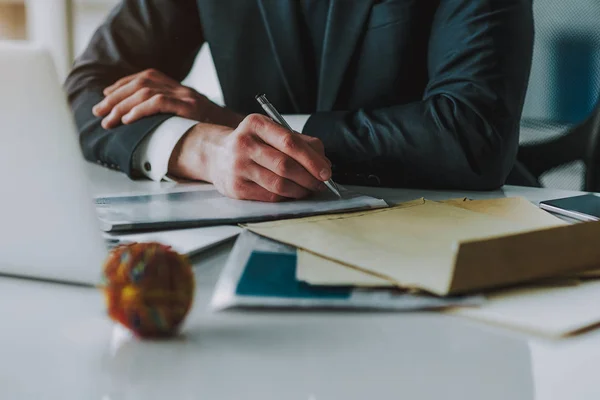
(184,241)
(209,207)
(316,270)
(546,311)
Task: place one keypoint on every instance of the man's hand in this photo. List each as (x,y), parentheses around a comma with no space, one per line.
(151,92)
(259,160)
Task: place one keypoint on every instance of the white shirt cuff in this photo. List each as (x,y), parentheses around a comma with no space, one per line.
(296,121)
(152,155)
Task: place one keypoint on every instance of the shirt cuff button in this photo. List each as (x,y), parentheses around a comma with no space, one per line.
(147,166)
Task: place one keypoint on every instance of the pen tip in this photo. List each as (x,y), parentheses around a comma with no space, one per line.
(258,96)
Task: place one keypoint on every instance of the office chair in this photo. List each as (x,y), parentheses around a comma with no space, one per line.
(561,125)
(570,152)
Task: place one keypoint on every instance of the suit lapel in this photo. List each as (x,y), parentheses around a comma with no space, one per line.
(345,24)
(281,22)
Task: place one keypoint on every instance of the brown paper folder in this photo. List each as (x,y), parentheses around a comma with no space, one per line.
(317,270)
(526,257)
(442,248)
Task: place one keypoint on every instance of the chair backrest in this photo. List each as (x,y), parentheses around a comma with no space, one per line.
(565,74)
(563,96)
(592,176)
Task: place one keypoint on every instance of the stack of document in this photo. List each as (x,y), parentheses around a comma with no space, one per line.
(441,248)
(261,273)
(445,248)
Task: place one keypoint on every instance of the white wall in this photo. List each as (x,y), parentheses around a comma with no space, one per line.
(203,76)
(46,22)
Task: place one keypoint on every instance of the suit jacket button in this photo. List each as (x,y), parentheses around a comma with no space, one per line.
(374,180)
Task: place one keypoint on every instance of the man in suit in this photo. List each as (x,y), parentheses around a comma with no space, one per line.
(420,93)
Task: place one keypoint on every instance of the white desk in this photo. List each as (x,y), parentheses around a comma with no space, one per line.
(57,343)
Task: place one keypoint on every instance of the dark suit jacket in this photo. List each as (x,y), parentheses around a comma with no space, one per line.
(424,93)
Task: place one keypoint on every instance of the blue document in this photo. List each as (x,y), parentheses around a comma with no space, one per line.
(274,275)
(262,273)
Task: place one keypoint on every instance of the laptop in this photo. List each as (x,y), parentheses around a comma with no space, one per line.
(49,228)
(48,224)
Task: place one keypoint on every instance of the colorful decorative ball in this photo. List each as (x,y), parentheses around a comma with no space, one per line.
(149,288)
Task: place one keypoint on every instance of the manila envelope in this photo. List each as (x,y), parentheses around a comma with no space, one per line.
(317,270)
(441,248)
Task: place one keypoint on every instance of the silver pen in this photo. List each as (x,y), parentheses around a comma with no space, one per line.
(274,114)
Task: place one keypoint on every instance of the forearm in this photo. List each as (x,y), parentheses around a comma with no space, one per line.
(113,148)
(437,143)
(117,111)
(136,36)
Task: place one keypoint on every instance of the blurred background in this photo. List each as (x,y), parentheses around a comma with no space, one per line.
(66,26)
(563,90)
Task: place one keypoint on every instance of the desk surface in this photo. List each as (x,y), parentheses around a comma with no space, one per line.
(57,343)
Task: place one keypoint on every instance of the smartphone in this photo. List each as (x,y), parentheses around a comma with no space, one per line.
(582,208)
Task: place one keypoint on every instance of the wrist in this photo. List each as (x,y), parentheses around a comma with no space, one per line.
(191,157)
(215,114)
(180,162)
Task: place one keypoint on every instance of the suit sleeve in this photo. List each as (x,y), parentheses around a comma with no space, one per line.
(137,35)
(463,134)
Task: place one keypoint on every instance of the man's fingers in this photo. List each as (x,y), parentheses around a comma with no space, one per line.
(131,98)
(148,74)
(115,117)
(290,144)
(284,166)
(316,144)
(158,104)
(248,190)
(275,183)
(123,81)
(105,107)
